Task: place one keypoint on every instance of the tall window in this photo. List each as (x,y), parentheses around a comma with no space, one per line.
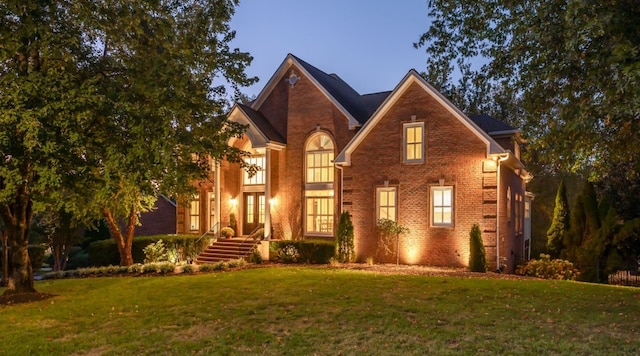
(386,203)
(259,176)
(212,211)
(194,213)
(442,206)
(319,159)
(319,176)
(414,142)
(508,203)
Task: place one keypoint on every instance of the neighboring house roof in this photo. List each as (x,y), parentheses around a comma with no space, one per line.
(413,77)
(491,125)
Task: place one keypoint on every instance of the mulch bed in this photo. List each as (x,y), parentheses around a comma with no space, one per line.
(18,298)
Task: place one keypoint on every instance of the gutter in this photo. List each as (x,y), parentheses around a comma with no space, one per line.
(500,159)
(341,168)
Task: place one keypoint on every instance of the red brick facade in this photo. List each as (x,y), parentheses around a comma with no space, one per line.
(369,154)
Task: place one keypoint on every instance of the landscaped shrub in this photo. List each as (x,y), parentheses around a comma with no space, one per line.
(210,267)
(549,269)
(233,223)
(344,237)
(188,269)
(185,247)
(159,267)
(155,252)
(258,234)
(477,256)
(255,257)
(303,251)
(240,262)
(227,232)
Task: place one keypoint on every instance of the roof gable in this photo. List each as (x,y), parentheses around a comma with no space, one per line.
(259,130)
(413,77)
(355,107)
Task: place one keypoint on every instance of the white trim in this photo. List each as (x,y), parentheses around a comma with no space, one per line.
(413,77)
(395,200)
(406,126)
(256,136)
(449,188)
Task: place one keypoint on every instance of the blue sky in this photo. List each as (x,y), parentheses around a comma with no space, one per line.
(369,44)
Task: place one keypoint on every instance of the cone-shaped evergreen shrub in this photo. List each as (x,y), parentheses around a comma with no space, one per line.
(477,257)
(345,247)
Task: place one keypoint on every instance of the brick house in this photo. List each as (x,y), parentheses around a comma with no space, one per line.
(408,155)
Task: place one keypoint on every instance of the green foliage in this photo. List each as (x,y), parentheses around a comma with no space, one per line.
(560,222)
(547,268)
(389,232)
(188,269)
(227,232)
(186,247)
(258,234)
(72,137)
(303,251)
(255,257)
(159,267)
(155,252)
(477,256)
(550,65)
(36,256)
(212,267)
(344,239)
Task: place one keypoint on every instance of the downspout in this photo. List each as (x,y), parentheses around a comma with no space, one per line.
(341,185)
(498,195)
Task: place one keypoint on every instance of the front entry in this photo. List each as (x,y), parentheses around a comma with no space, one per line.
(253,215)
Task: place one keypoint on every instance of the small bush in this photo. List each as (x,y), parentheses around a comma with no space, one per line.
(369,261)
(477,256)
(155,252)
(240,262)
(303,251)
(255,257)
(549,269)
(258,234)
(159,267)
(188,269)
(210,267)
(136,268)
(344,237)
(227,232)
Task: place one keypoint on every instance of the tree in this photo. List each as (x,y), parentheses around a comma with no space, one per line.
(344,238)
(477,255)
(572,67)
(106,104)
(559,224)
(389,231)
(61,231)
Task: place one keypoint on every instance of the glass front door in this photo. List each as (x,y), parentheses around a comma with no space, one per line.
(253,216)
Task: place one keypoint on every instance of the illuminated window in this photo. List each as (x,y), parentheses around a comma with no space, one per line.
(319,176)
(319,159)
(259,177)
(319,212)
(508,203)
(194,213)
(414,142)
(442,206)
(386,203)
(212,210)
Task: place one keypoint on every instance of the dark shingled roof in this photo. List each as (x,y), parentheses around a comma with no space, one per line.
(490,124)
(359,106)
(262,124)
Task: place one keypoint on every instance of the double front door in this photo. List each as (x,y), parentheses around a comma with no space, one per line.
(253,215)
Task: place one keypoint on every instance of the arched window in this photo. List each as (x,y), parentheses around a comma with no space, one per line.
(319,176)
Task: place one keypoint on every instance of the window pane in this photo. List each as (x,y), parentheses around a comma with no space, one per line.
(442,205)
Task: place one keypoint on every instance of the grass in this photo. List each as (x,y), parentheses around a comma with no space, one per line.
(303,311)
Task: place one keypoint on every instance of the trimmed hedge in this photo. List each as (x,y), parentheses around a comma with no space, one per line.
(304,251)
(105,252)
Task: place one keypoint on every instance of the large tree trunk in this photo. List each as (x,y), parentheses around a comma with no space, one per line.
(124,242)
(5,259)
(17,220)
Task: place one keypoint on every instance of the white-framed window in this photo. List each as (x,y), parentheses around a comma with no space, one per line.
(259,177)
(413,142)
(319,212)
(319,159)
(386,203)
(319,177)
(442,205)
(194,213)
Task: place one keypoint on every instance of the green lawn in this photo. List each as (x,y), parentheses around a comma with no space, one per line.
(303,311)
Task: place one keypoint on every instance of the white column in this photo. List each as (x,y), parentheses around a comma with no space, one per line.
(267,195)
(217,198)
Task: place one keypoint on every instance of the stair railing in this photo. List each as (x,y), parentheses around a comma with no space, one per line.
(215,229)
(251,236)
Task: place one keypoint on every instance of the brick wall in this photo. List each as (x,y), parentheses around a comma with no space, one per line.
(453,153)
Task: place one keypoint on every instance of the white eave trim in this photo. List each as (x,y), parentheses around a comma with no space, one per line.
(411,77)
(280,74)
(256,136)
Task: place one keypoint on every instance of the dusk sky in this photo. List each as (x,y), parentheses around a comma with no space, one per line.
(369,44)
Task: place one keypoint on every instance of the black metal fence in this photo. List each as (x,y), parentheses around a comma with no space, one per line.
(625,278)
